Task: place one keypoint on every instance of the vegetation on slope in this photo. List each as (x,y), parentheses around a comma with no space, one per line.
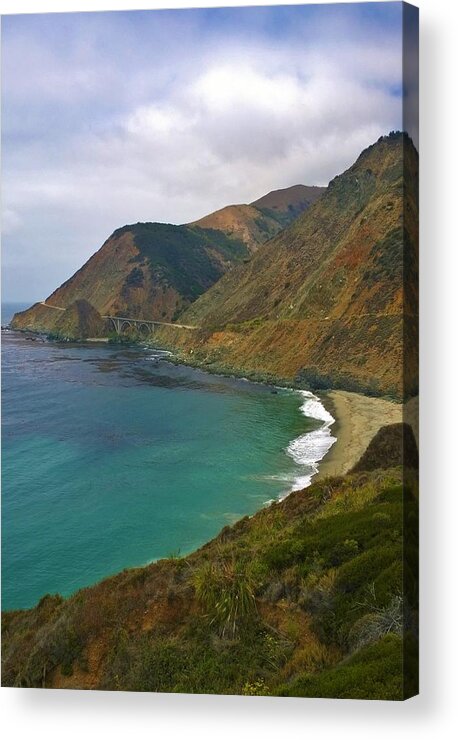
(190,259)
(144,270)
(313,596)
(79,321)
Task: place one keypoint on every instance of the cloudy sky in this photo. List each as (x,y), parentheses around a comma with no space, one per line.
(114,118)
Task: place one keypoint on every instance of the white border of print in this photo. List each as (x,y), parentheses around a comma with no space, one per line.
(72,715)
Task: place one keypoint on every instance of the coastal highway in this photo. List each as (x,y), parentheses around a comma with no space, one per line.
(128,318)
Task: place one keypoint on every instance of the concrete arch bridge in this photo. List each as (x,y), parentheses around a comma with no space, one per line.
(121,323)
(144,326)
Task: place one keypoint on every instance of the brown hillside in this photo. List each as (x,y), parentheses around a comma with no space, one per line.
(154,271)
(324,301)
(244,222)
(259,221)
(288,203)
(79,321)
(149,271)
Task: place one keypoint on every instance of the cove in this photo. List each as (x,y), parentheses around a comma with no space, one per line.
(114,457)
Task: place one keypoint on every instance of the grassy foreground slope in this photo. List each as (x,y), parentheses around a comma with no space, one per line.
(325,303)
(313,596)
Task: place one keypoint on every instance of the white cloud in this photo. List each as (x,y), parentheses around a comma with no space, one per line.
(223,124)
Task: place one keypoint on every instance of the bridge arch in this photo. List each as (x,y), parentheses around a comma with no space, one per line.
(121,323)
(114,323)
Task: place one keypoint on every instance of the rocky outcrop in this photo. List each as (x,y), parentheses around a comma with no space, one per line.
(79,321)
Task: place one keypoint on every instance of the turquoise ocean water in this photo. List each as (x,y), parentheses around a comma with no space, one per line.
(113,457)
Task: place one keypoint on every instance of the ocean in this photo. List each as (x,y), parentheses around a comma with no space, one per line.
(114,457)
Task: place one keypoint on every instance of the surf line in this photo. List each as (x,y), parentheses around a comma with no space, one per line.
(309,448)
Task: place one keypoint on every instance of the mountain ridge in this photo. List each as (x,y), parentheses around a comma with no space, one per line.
(285,204)
(154,271)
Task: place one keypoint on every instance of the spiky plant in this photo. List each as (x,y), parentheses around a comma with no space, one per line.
(226,593)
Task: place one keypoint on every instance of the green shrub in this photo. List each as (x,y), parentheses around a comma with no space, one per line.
(375,672)
(379,622)
(344,551)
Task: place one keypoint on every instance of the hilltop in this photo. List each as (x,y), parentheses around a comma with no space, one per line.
(155,271)
(325,302)
(243,222)
(262,219)
(286,204)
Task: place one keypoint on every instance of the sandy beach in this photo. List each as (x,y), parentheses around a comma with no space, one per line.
(358,418)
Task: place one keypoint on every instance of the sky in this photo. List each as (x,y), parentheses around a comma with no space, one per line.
(112,118)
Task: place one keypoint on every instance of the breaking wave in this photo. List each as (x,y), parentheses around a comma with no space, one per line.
(308,449)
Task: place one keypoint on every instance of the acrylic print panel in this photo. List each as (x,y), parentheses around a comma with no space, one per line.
(209,328)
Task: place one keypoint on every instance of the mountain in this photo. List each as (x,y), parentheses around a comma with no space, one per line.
(288,203)
(244,222)
(326,302)
(314,595)
(257,222)
(154,271)
(144,270)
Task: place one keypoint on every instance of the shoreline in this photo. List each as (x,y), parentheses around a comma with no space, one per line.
(358,419)
(310,448)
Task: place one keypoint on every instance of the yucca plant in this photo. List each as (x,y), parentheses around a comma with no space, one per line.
(226,592)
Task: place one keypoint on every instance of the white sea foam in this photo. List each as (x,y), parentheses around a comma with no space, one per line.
(308,449)
(159,354)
